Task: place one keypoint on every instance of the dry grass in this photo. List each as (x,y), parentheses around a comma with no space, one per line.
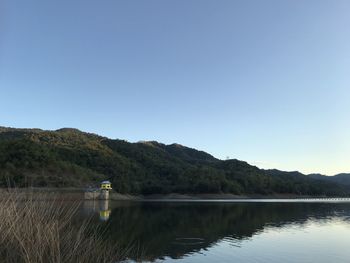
(33,231)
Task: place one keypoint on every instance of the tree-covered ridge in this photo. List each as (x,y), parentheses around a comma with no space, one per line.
(69,157)
(343,178)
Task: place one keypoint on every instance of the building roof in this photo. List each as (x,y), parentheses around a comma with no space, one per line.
(105,182)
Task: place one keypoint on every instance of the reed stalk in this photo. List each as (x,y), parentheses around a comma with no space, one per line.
(39,230)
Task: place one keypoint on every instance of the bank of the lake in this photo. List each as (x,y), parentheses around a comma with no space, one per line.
(78,194)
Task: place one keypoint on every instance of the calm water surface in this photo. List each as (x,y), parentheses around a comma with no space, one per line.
(228,231)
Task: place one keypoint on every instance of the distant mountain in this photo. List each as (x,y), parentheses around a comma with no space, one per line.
(343,178)
(71,158)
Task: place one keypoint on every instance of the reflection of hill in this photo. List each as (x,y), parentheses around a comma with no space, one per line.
(176,229)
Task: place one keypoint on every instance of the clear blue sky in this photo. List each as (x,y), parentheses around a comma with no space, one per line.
(263,81)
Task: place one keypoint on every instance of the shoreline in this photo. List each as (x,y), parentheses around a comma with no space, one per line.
(225,198)
(78,194)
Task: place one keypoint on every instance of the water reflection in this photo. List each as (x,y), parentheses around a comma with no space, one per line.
(100,207)
(175,230)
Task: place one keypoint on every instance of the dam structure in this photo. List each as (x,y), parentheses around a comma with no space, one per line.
(101,193)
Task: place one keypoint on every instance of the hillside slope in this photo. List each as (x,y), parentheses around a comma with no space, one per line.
(69,157)
(343,178)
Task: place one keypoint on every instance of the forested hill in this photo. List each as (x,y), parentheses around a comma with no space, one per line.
(71,158)
(343,178)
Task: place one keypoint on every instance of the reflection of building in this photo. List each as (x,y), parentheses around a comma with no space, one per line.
(100,208)
(104,210)
(90,207)
(104,215)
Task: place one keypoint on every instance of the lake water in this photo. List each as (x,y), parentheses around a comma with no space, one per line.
(253,231)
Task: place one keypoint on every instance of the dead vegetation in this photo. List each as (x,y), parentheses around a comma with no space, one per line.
(38,231)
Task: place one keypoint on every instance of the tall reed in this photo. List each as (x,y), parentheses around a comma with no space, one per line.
(42,231)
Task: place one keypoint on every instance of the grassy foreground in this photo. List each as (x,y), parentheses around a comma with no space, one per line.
(33,231)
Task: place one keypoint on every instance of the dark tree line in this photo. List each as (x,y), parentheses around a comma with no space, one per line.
(68,157)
